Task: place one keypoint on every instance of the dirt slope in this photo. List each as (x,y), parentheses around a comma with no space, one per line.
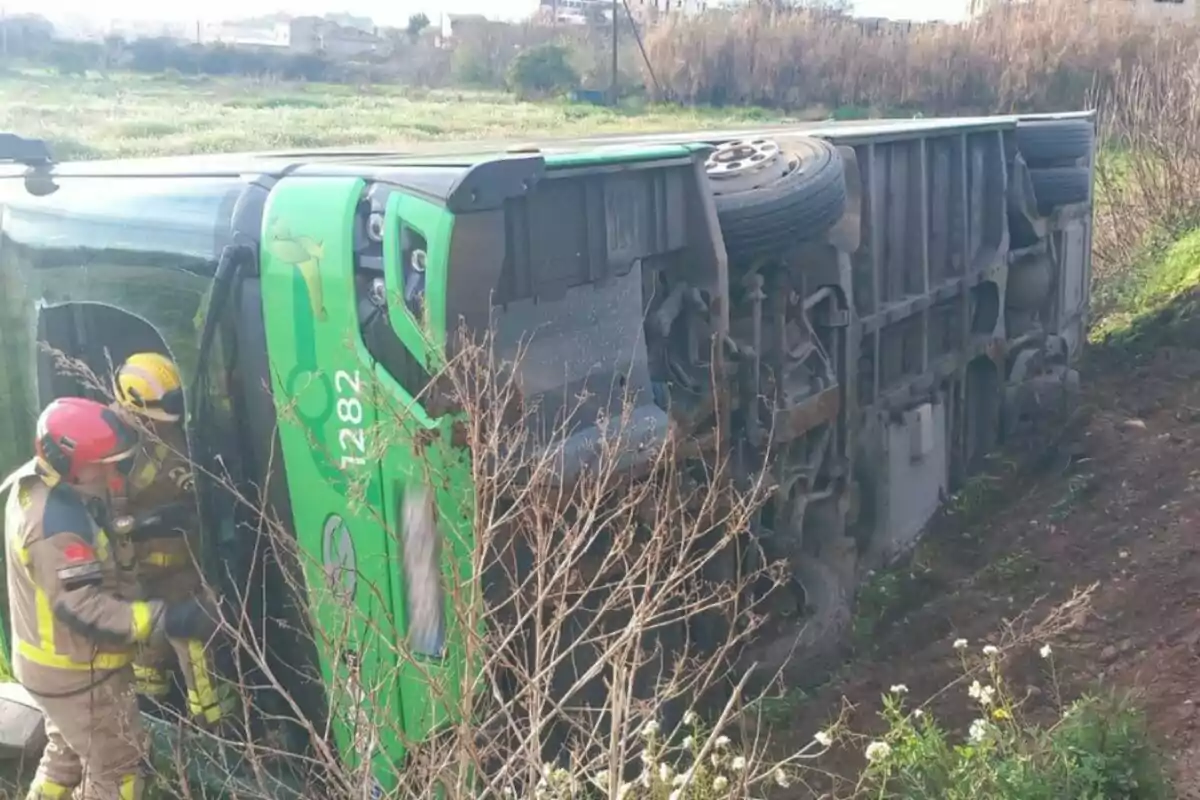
(1117,505)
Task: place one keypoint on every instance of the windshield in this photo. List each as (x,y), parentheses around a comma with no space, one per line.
(149,215)
(137,249)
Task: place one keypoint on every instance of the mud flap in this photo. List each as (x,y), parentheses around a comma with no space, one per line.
(22,733)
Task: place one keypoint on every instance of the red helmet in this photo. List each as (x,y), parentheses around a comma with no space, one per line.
(73,432)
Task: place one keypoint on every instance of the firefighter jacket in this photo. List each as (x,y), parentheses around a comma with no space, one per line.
(161,476)
(69,624)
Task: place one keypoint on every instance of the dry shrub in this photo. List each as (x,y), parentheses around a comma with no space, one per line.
(1148,182)
(599,608)
(483,53)
(1037,55)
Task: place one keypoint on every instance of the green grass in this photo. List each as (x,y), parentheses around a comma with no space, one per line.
(130,115)
(1166,273)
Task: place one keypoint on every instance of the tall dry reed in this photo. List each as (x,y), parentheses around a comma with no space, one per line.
(1037,55)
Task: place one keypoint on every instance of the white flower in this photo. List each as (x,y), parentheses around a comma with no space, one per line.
(625,790)
(1045,652)
(979,731)
(991,651)
(781,779)
(823,738)
(715,758)
(899,688)
(877,751)
(917,713)
(722,741)
(960,644)
(682,779)
(664,773)
(650,729)
(984,694)
(691,718)
(738,764)
(720,783)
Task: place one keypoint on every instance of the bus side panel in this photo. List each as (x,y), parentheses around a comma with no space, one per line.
(321,379)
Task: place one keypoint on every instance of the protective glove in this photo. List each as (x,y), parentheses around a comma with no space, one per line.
(191,619)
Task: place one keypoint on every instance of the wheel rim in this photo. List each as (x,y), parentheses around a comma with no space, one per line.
(746,164)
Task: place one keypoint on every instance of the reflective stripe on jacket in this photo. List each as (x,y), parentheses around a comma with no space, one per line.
(68,621)
(161,476)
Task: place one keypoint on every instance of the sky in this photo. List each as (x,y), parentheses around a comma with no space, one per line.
(394,12)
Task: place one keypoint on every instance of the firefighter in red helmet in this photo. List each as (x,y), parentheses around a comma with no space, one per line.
(74,636)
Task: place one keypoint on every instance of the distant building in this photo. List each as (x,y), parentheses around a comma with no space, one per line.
(25,33)
(248,34)
(888,26)
(1152,10)
(1167,10)
(318,35)
(455,25)
(656,9)
(575,12)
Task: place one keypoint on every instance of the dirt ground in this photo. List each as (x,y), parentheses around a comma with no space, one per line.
(1116,504)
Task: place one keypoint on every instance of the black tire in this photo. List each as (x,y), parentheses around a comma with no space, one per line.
(802,205)
(806,651)
(1047,142)
(829,610)
(1060,186)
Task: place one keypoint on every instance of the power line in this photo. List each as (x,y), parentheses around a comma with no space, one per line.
(637,35)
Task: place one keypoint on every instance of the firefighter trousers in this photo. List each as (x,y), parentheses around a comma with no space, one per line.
(208,700)
(96,744)
(166,572)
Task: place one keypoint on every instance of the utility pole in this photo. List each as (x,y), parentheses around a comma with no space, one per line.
(615,18)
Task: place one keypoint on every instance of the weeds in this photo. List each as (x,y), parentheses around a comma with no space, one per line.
(978,493)
(1147,202)
(877,599)
(1095,747)
(1012,570)
(781,707)
(1079,487)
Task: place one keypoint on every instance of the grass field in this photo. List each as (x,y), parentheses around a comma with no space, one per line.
(125,115)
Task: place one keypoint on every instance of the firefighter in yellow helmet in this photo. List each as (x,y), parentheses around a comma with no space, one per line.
(149,391)
(74,636)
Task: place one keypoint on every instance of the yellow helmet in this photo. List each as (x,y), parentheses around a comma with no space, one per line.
(149,384)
